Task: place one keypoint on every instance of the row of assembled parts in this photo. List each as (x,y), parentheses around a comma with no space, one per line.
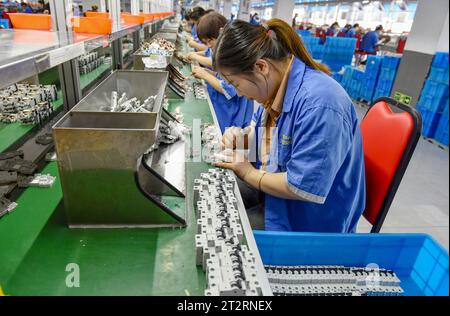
(25,103)
(89,62)
(332,281)
(229,264)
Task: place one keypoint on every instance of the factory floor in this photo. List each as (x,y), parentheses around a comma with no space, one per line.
(421,204)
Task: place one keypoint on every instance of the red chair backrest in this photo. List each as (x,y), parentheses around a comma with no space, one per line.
(389,140)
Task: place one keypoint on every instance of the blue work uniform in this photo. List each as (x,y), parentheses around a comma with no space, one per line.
(351,33)
(369,42)
(231,109)
(318,144)
(194,34)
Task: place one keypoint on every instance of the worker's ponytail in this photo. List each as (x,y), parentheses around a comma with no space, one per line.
(241,44)
(290,40)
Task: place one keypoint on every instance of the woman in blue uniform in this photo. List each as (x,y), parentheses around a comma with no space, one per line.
(371,41)
(305,137)
(231,109)
(194,16)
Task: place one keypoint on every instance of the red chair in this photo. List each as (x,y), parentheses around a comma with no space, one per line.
(389,140)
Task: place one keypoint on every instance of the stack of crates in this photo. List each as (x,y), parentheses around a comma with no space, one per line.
(441,134)
(313,46)
(337,76)
(347,77)
(433,101)
(304,33)
(371,75)
(388,71)
(338,52)
(354,89)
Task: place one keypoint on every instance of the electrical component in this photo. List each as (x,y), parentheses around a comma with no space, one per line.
(229,265)
(29,104)
(89,62)
(42,180)
(157,46)
(332,281)
(6,206)
(199,91)
(133,105)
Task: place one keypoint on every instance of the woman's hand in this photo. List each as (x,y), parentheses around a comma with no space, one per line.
(235,138)
(238,163)
(191,57)
(199,73)
(192,42)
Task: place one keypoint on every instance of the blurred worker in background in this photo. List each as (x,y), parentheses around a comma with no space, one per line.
(230,108)
(371,41)
(352,32)
(26,8)
(194,16)
(344,30)
(294,21)
(254,19)
(333,30)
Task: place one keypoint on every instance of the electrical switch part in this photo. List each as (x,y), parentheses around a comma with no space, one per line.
(229,264)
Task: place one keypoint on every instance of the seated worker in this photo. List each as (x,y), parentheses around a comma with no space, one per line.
(231,109)
(371,41)
(345,29)
(333,30)
(305,138)
(194,16)
(353,31)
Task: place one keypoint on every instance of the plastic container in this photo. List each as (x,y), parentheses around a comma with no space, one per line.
(440,60)
(29,21)
(90,14)
(439,75)
(419,261)
(441,134)
(92,25)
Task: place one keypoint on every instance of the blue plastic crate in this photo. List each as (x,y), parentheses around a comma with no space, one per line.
(390,62)
(441,134)
(304,33)
(439,75)
(430,121)
(338,77)
(433,96)
(420,262)
(380,93)
(440,60)
(4,23)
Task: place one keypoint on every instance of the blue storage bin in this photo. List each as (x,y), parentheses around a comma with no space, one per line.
(304,33)
(338,77)
(433,96)
(391,62)
(430,121)
(441,134)
(4,23)
(420,262)
(380,93)
(440,60)
(439,75)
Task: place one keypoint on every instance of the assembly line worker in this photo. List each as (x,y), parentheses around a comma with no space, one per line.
(309,165)
(371,41)
(194,16)
(230,109)
(353,31)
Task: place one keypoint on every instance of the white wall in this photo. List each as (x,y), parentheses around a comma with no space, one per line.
(443,40)
(427,27)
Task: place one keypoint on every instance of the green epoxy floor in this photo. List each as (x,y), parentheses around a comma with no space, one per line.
(36,245)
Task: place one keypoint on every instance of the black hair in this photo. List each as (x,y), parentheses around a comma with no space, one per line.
(241,44)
